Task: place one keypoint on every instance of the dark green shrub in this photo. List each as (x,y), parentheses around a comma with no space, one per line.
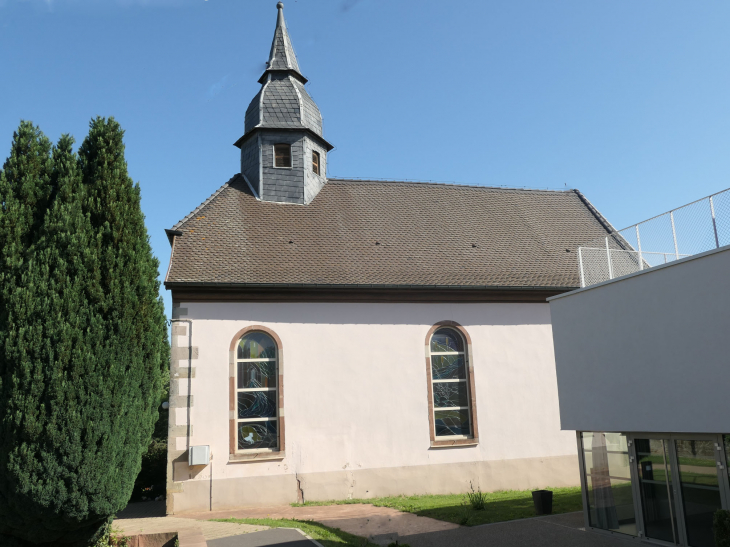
(83,337)
(152,476)
(721,527)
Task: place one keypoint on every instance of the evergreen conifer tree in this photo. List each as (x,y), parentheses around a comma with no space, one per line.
(82,353)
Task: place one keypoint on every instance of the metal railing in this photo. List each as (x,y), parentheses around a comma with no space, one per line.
(688,230)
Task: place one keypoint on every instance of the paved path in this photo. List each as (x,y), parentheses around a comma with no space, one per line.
(359,519)
(283,537)
(149,518)
(367,521)
(553,531)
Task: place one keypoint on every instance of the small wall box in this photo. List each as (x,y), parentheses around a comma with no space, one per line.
(199,455)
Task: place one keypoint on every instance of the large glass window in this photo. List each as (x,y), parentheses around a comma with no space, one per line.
(608,482)
(726,441)
(700,487)
(257,392)
(654,467)
(450,385)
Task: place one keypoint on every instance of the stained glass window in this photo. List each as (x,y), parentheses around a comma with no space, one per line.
(450,384)
(257,392)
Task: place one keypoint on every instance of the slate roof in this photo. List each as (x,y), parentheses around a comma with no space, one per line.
(365,233)
(282,102)
(282,56)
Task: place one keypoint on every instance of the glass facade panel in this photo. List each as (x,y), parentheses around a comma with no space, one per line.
(680,483)
(700,486)
(608,482)
(657,496)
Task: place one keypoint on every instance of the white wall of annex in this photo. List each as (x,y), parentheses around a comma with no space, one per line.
(650,352)
(355,383)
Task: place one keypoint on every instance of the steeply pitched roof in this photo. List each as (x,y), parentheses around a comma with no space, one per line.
(282,102)
(367,233)
(282,56)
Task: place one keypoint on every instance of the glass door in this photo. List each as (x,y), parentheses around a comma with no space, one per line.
(681,481)
(658,503)
(698,469)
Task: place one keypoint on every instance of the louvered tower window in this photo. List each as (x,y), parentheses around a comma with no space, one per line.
(282,155)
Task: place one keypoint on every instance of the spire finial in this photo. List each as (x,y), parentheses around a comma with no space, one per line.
(281,57)
(280,17)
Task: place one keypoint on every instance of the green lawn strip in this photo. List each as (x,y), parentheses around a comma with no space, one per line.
(329,537)
(501,506)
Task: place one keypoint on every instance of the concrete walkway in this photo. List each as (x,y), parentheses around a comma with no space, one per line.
(363,520)
(149,518)
(552,531)
(381,524)
(283,537)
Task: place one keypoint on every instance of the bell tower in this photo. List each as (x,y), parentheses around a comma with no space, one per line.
(283,152)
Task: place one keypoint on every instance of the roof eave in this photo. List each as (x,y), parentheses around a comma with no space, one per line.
(212,284)
(289,71)
(315,136)
(171,234)
(297,292)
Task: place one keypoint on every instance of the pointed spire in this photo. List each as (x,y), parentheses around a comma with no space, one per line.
(282,56)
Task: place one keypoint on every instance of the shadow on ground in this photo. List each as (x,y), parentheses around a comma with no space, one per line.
(563,530)
(500,510)
(143,510)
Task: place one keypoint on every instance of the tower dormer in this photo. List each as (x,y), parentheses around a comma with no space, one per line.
(283,152)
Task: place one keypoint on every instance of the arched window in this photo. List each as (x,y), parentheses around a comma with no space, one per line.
(256,381)
(451,387)
(315,163)
(282,155)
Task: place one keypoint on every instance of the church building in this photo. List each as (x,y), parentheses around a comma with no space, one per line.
(338,339)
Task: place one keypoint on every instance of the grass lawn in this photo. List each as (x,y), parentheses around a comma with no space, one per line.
(501,506)
(329,537)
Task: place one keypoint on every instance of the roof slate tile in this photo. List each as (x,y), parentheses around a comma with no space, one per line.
(386,233)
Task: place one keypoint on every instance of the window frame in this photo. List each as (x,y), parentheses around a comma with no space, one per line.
(318,157)
(236,454)
(291,157)
(452,440)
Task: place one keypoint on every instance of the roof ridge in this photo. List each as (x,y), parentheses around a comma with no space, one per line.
(206,202)
(455,184)
(596,213)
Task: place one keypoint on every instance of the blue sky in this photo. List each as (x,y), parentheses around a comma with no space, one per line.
(626,100)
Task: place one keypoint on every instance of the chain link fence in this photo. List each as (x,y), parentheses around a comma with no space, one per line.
(691,229)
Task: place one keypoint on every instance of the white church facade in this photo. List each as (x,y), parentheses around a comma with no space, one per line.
(354,339)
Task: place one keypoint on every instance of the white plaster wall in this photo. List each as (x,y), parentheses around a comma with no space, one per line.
(355,383)
(648,352)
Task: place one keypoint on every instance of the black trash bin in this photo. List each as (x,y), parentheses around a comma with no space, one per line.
(543,500)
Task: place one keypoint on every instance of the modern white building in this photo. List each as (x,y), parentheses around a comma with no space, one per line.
(643,366)
(351,339)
